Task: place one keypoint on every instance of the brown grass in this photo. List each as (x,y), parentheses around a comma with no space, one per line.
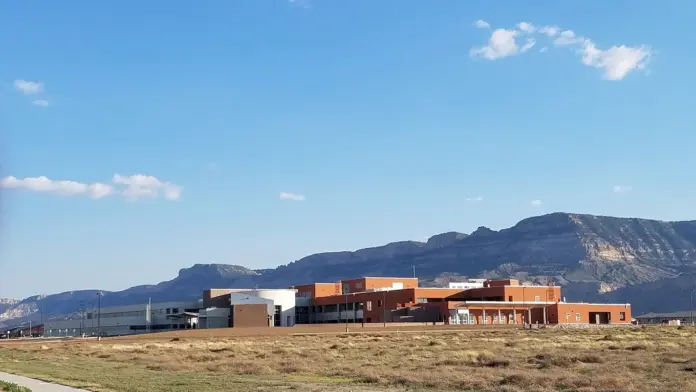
(620,359)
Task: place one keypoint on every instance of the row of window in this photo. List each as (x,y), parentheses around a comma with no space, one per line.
(134,313)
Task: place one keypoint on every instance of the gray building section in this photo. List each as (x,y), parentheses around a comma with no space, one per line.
(214,310)
(685,317)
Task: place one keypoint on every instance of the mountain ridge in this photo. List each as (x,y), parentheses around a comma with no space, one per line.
(596,258)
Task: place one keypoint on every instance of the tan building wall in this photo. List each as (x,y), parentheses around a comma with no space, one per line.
(317,290)
(216,298)
(247,316)
(573,313)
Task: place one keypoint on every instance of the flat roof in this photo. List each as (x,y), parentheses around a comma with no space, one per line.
(679,314)
(506,302)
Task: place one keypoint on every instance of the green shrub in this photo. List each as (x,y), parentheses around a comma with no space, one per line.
(10,387)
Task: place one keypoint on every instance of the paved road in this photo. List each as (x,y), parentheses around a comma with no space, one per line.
(36,385)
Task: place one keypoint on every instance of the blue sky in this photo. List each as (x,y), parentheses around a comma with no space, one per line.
(179,126)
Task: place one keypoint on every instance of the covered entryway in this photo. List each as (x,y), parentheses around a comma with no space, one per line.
(600,317)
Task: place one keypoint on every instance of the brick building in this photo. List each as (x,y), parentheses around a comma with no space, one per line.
(382,300)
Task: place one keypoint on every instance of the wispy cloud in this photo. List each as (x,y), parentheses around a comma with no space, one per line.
(300,3)
(140,185)
(27,87)
(481,24)
(622,188)
(291,196)
(474,199)
(40,102)
(131,187)
(536,203)
(615,62)
(59,187)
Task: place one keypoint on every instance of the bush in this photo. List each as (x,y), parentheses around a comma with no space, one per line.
(10,387)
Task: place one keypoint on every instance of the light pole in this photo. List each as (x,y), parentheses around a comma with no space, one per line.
(99,295)
(346,310)
(691,305)
(384,307)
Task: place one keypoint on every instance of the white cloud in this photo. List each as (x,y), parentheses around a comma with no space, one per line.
(536,203)
(474,199)
(28,87)
(567,37)
(622,188)
(482,24)
(60,187)
(40,102)
(528,45)
(550,31)
(140,185)
(291,196)
(615,62)
(501,44)
(527,28)
(135,186)
(544,49)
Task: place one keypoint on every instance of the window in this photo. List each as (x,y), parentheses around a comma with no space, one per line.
(89,316)
(577,316)
(537,299)
(510,298)
(379,303)
(358,285)
(622,316)
(369,306)
(422,300)
(567,316)
(175,310)
(169,311)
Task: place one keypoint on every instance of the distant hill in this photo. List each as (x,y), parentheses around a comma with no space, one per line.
(595,258)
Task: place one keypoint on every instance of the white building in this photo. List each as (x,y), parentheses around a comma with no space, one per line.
(281,307)
(469,284)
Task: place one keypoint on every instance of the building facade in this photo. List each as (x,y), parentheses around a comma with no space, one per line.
(217,308)
(387,300)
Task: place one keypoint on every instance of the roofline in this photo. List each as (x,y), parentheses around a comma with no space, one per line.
(535,303)
(522,285)
(505,302)
(311,284)
(592,303)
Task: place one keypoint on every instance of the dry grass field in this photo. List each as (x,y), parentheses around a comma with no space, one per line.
(614,359)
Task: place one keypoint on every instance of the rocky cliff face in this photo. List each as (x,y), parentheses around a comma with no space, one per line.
(595,258)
